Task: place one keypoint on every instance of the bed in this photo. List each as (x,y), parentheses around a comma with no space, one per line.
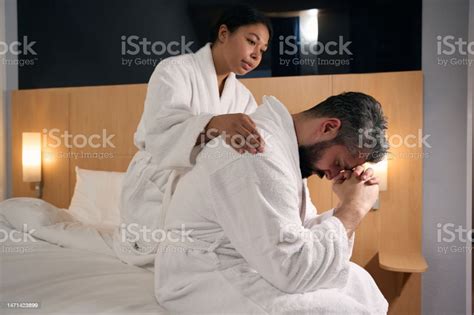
(53,263)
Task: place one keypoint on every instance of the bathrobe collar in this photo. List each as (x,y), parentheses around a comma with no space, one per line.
(206,65)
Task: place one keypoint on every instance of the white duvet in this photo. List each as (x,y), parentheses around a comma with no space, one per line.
(81,275)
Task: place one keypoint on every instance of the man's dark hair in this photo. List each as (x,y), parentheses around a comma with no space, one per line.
(363,123)
(240,15)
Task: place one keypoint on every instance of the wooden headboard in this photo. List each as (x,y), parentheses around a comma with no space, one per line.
(388,242)
(81,113)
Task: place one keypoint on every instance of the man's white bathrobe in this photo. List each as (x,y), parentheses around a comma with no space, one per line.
(241,240)
(182,97)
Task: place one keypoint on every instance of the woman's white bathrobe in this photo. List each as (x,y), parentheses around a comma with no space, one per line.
(182,97)
(240,239)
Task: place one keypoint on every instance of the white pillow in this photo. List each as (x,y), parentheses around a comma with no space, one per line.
(96,197)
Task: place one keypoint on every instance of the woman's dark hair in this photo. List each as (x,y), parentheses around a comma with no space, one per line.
(240,15)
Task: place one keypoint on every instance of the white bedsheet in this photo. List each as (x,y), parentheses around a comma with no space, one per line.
(84,278)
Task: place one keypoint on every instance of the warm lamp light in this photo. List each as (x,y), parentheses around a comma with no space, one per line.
(381,171)
(31,159)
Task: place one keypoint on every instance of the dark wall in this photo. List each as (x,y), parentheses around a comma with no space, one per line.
(80,42)
(83,43)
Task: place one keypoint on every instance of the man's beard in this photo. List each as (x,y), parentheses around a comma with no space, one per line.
(310,155)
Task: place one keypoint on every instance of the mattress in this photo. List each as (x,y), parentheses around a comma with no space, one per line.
(44,276)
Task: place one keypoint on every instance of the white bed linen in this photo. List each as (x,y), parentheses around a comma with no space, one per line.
(68,280)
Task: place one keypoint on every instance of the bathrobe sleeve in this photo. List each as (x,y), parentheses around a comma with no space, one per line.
(259,214)
(251,104)
(170,128)
(312,217)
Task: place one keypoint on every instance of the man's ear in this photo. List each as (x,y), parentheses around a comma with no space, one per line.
(330,126)
(223,33)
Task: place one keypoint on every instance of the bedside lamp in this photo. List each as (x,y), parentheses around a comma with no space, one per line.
(31,160)
(381,172)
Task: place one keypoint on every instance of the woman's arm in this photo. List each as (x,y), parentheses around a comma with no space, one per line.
(169,125)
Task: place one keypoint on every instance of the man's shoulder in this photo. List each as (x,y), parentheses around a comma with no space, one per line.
(272,116)
(219,159)
(272,119)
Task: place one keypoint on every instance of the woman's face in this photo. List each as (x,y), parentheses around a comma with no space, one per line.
(243,49)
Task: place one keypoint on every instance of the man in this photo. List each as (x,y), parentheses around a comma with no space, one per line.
(242,235)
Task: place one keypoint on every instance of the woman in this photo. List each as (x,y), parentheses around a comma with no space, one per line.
(190,99)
